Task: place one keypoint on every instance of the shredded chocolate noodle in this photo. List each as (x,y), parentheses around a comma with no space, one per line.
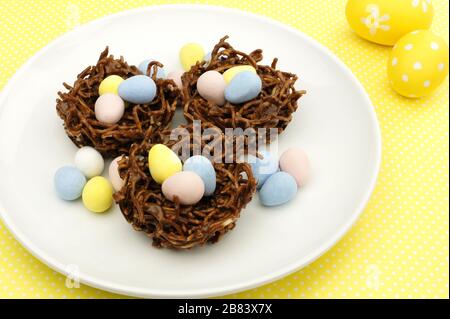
(76,108)
(170,224)
(273,108)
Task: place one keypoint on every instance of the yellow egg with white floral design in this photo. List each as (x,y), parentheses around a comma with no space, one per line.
(386,21)
(418,63)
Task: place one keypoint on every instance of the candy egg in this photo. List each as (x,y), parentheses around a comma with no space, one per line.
(110,85)
(187,186)
(244,87)
(163,163)
(69,182)
(418,64)
(295,162)
(211,86)
(160,74)
(263,167)
(190,54)
(207,57)
(97,194)
(114,177)
(89,161)
(278,189)
(176,77)
(139,89)
(386,21)
(232,72)
(202,167)
(109,108)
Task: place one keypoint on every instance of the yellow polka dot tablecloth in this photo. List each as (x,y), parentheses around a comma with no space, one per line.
(399,248)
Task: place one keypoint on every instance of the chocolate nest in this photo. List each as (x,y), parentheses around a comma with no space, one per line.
(272,108)
(170,224)
(76,108)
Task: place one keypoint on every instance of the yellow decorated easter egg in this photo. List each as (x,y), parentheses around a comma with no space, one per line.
(97,194)
(229,74)
(190,54)
(110,85)
(386,21)
(163,163)
(418,63)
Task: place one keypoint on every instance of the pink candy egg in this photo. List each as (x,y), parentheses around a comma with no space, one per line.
(176,77)
(109,108)
(187,186)
(114,176)
(211,86)
(295,162)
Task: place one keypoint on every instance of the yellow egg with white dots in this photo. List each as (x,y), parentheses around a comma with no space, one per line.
(386,21)
(418,64)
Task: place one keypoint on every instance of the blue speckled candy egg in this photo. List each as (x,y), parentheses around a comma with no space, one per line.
(278,189)
(202,167)
(161,74)
(263,167)
(244,87)
(69,182)
(139,89)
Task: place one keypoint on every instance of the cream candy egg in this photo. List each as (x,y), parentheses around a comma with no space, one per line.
(418,64)
(114,177)
(386,21)
(176,77)
(187,186)
(109,108)
(89,161)
(296,162)
(211,86)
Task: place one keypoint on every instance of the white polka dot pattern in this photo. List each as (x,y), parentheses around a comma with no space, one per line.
(399,248)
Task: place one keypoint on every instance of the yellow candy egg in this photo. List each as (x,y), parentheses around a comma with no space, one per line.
(163,163)
(386,21)
(418,63)
(110,85)
(190,54)
(229,74)
(97,194)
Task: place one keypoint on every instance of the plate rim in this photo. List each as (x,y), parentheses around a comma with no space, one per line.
(221,290)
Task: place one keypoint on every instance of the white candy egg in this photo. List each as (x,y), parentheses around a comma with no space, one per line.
(89,161)
(176,77)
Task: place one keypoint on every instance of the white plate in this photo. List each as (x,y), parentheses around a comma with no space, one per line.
(336,125)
